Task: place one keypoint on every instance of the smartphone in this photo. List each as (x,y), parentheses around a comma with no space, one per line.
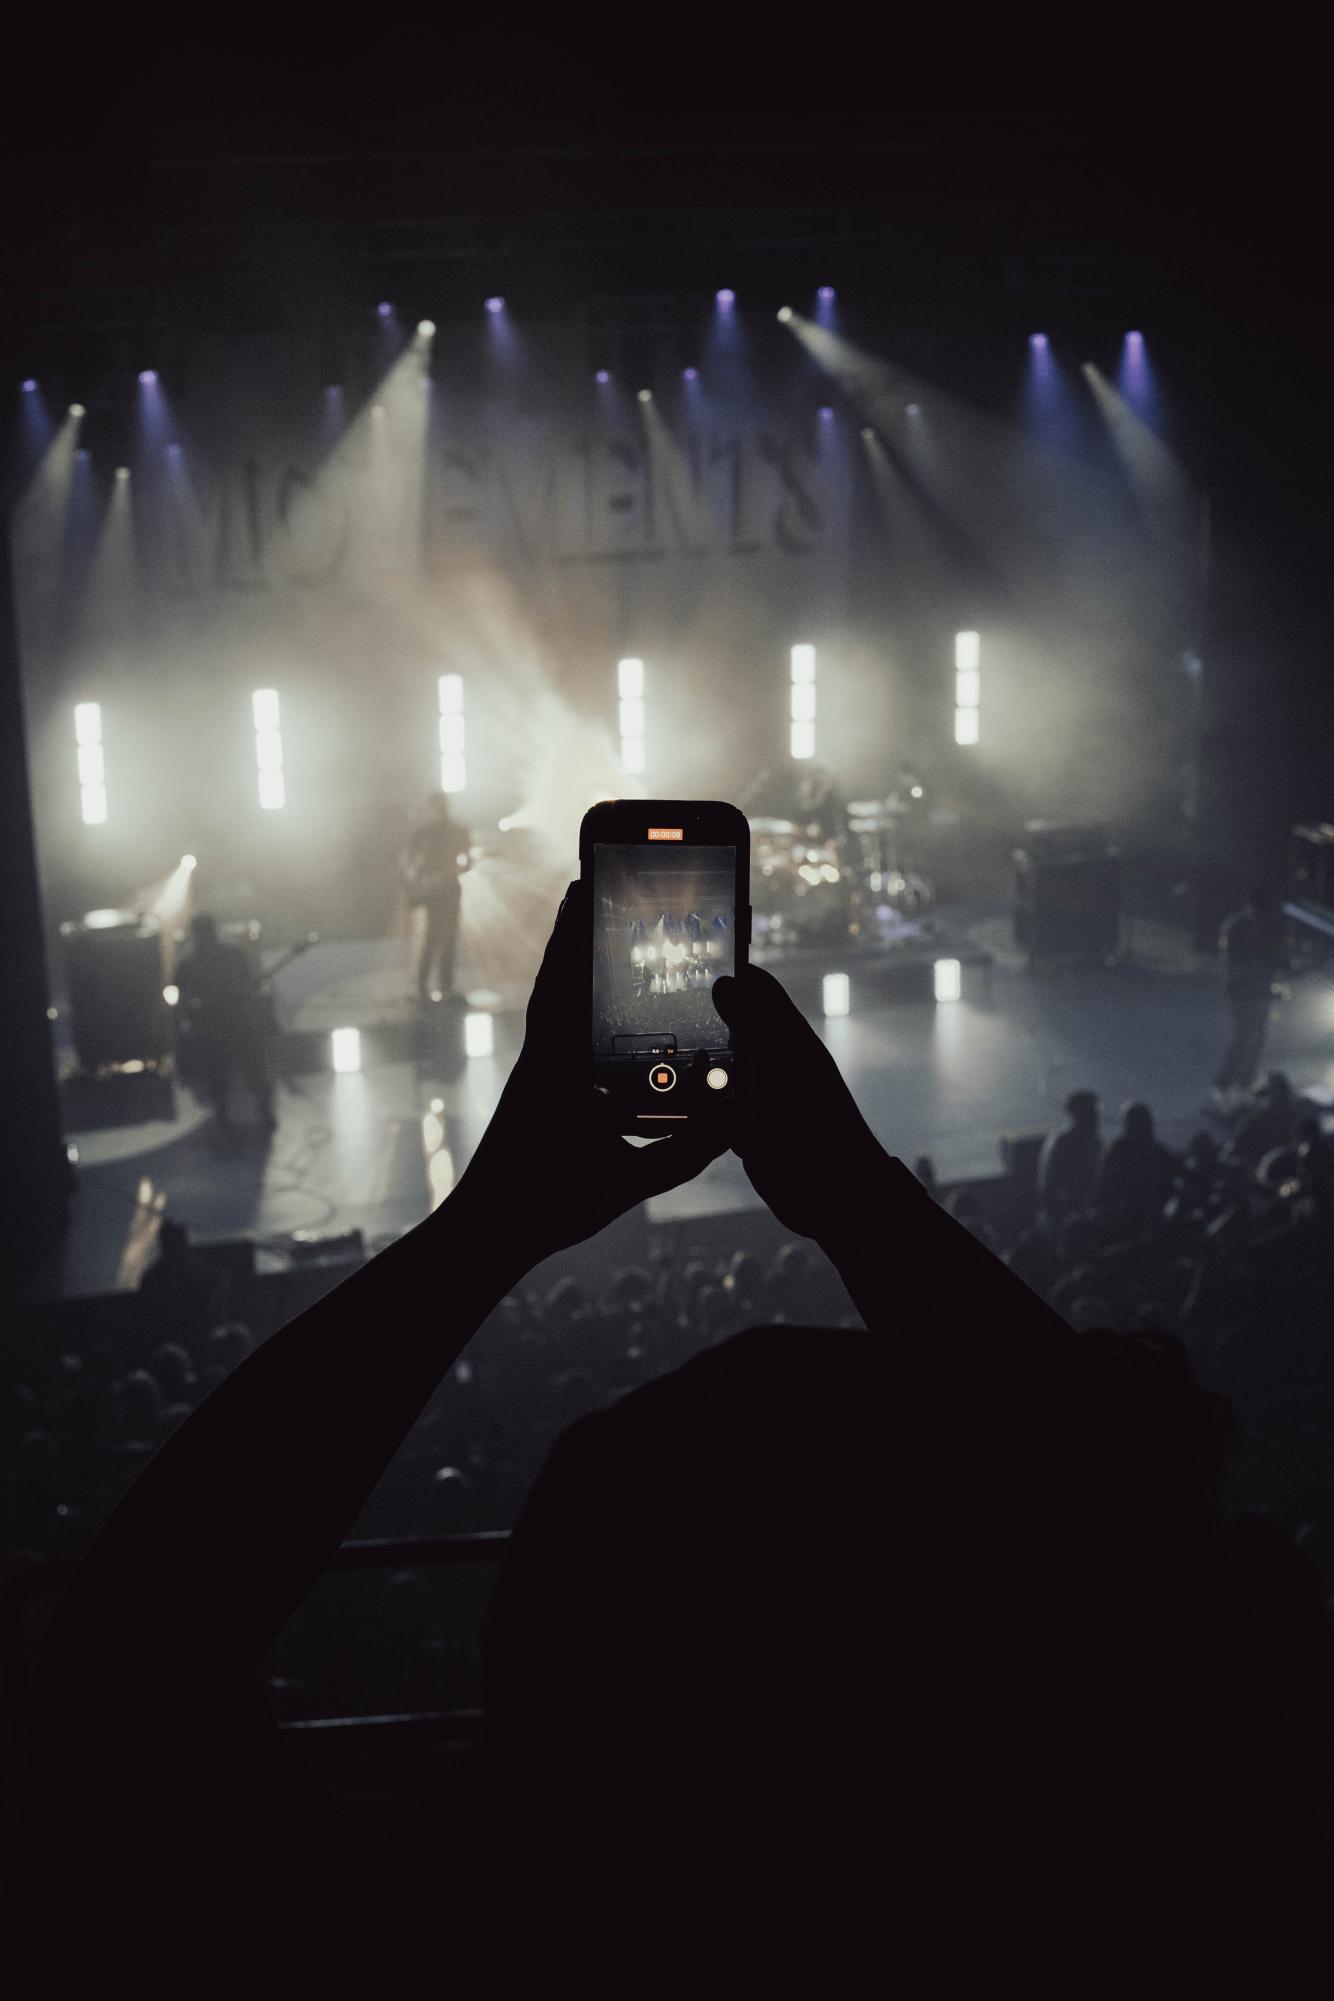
(669,894)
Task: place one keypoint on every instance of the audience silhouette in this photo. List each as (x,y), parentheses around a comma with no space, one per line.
(1070,1161)
(927,1637)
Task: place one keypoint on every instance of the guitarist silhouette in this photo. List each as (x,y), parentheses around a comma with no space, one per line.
(435,857)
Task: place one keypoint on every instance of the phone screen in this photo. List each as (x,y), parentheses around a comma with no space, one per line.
(665,928)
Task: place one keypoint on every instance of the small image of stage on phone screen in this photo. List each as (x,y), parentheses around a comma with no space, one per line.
(665,930)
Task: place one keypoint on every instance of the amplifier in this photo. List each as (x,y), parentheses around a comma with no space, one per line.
(113,973)
(1067,894)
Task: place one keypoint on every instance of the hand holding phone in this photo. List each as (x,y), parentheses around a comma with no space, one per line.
(550,1170)
(807,1151)
(669,885)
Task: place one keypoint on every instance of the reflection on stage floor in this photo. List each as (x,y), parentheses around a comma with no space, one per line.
(371,1149)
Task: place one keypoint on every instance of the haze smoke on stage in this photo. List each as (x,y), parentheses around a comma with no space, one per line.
(1158,481)
(1023,528)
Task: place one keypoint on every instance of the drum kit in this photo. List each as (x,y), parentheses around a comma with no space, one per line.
(806,885)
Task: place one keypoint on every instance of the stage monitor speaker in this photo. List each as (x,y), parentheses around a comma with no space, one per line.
(113,970)
(1067,893)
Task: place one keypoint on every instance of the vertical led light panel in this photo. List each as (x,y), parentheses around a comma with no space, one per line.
(264,708)
(967,687)
(92,763)
(801,701)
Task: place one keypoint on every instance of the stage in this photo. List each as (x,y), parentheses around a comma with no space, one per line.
(364,1150)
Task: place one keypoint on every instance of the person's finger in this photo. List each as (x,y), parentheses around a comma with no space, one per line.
(757,1004)
(767,1023)
(652,1170)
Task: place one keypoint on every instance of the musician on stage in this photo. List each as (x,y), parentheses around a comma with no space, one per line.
(820,807)
(432,863)
(222,1012)
(1256,962)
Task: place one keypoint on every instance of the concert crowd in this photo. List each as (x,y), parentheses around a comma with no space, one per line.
(1222,1247)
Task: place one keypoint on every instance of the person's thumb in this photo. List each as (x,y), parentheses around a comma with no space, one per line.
(754,1002)
(725,999)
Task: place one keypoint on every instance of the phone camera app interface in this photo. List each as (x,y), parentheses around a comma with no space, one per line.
(664,931)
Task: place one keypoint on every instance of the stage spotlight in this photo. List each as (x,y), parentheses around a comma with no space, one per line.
(171,995)
(868,435)
(426,328)
(1037,341)
(825,295)
(603,376)
(148,376)
(479,1035)
(826,414)
(913,410)
(345,1045)
(785,314)
(189,862)
(835,994)
(91,762)
(29,386)
(495,304)
(1134,379)
(646,395)
(122,472)
(453,734)
(725,298)
(948,977)
(690,374)
(384,309)
(77,410)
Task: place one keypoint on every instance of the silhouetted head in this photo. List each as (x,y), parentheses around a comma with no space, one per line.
(140,1404)
(1137,1121)
(229,1345)
(1276,1090)
(1083,1109)
(728,1615)
(174,1371)
(204,928)
(173,1239)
